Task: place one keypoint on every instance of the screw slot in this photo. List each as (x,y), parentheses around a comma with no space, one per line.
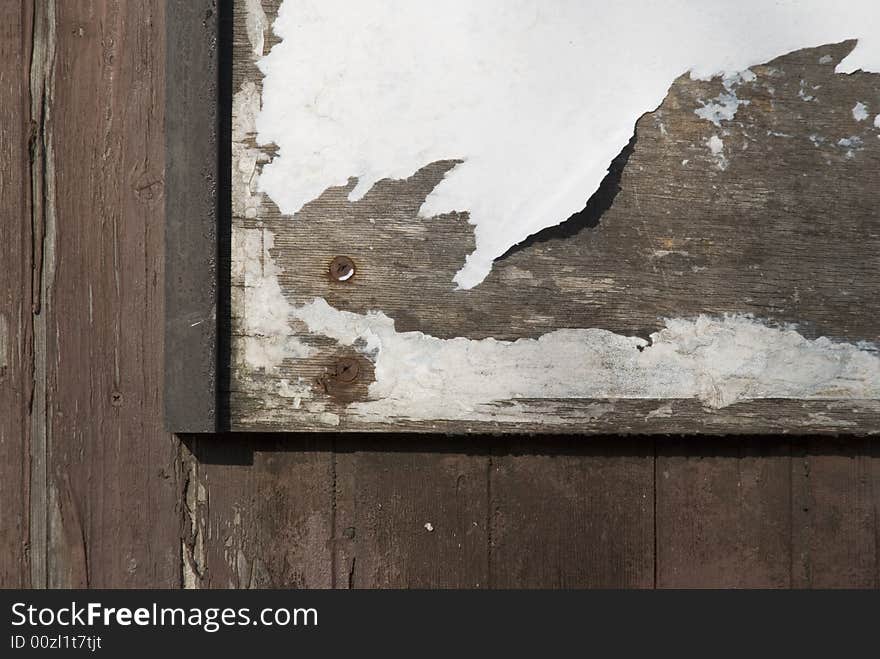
(342,268)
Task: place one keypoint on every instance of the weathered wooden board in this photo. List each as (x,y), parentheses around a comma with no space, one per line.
(288,510)
(110,466)
(589,522)
(16,288)
(781,226)
(766,514)
(88,480)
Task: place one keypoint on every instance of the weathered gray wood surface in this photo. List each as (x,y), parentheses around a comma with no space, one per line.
(91,480)
(788,232)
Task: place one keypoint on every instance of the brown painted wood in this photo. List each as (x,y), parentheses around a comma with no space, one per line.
(16,277)
(124,505)
(573,513)
(724,513)
(768,513)
(112,481)
(411,513)
(835,510)
(259,512)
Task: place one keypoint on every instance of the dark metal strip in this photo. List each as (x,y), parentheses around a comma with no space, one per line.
(194,205)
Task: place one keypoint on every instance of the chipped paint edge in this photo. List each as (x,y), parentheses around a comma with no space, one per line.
(262,297)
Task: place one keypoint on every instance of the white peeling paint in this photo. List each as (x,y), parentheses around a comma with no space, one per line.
(860,111)
(826,59)
(802,93)
(663,412)
(719,361)
(525,93)
(265,312)
(851,144)
(716,148)
(662,253)
(256,24)
(247,201)
(877,121)
(724,106)
(854,141)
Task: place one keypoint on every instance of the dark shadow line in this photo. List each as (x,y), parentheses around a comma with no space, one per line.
(239,448)
(591,215)
(225,36)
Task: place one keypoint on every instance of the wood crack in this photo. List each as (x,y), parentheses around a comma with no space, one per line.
(42,80)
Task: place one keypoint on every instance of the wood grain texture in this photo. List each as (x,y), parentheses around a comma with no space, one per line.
(129,507)
(784,229)
(259,512)
(767,513)
(411,516)
(16,286)
(567,516)
(835,506)
(112,481)
(724,514)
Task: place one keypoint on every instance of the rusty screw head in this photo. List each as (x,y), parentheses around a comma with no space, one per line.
(342,268)
(347,369)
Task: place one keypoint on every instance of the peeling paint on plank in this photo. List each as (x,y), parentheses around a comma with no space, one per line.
(720,361)
(533,70)
(273,399)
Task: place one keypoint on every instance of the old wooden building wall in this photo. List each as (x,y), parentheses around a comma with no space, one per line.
(94,493)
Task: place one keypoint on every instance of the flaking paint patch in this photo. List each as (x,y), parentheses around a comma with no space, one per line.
(662,412)
(383,88)
(193,553)
(247,159)
(265,313)
(256,24)
(725,106)
(266,334)
(803,94)
(720,361)
(852,145)
(716,148)
(860,111)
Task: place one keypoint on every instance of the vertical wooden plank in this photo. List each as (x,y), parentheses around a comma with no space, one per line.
(112,481)
(259,512)
(835,510)
(16,320)
(411,516)
(723,513)
(572,513)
